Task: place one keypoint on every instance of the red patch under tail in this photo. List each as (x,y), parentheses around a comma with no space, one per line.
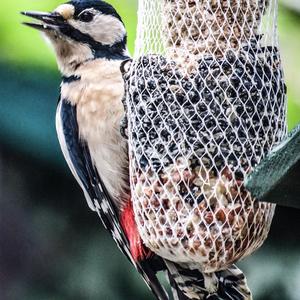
(138,250)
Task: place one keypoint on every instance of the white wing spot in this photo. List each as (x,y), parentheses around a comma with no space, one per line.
(104,206)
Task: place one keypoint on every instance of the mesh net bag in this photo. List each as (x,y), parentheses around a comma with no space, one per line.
(206,101)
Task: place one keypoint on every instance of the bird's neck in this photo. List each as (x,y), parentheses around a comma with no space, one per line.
(117,51)
(72,57)
(95,77)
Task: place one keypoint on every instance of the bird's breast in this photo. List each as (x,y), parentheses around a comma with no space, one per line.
(98,99)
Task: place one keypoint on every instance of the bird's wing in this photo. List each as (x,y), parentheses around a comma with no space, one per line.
(78,158)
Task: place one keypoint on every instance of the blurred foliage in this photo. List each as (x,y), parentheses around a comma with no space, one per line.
(27,116)
(52,246)
(289,27)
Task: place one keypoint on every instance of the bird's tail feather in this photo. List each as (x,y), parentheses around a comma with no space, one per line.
(176,291)
(191,284)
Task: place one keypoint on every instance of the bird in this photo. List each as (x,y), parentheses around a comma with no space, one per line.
(89,39)
(90,42)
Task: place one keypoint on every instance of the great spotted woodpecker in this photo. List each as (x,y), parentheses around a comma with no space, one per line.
(90,42)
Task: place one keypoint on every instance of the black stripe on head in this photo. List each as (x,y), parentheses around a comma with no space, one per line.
(102,6)
(115,51)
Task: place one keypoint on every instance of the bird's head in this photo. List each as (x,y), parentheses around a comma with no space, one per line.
(82,30)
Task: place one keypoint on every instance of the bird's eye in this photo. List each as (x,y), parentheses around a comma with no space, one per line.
(86,16)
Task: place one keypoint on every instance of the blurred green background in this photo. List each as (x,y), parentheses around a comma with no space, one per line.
(51,245)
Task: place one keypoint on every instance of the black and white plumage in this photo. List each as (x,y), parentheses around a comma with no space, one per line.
(89,39)
(79,160)
(89,111)
(229,284)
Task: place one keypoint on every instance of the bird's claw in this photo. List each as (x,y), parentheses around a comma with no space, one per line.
(124,127)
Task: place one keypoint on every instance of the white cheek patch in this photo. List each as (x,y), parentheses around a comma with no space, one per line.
(104,29)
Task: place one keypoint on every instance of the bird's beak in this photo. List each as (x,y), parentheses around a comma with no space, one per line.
(48,21)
